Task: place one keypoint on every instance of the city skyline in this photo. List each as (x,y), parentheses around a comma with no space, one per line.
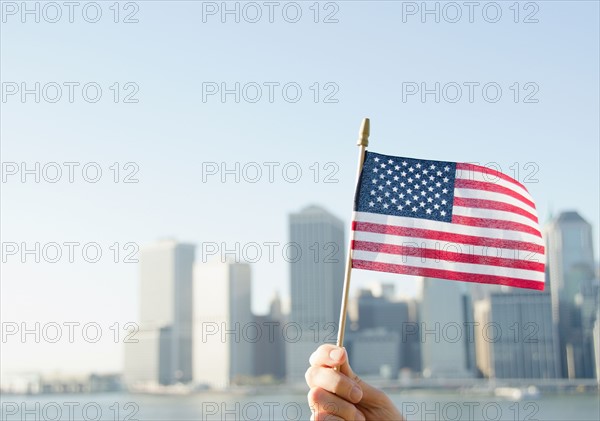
(355,288)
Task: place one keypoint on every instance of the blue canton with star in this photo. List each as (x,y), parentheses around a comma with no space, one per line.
(398,186)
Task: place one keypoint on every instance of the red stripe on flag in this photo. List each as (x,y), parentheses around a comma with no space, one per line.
(446,236)
(433,254)
(494,205)
(481,185)
(448,274)
(495,223)
(488,171)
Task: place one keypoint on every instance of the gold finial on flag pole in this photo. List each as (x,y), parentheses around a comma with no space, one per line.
(365,130)
(363,142)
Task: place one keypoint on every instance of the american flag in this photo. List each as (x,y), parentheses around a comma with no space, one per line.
(447,220)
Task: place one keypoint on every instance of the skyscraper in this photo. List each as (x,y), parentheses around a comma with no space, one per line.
(515,336)
(596,336)
(374,352)
(483,350)
(269,350)
(443,330)
(571,271)
(224,329)
(380,314)
(317,278)
(163,354)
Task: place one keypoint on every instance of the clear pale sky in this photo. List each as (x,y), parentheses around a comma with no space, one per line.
(172,130)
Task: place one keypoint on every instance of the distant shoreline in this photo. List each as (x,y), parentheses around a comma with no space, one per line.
(480,387)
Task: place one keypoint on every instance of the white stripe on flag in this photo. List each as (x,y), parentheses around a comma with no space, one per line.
(479,250)
(498,197)
(492,179)
(416,261)
(493,214)
(403,221)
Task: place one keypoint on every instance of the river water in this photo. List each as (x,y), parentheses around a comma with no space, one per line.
(417,406)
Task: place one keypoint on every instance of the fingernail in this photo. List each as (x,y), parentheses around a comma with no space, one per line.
(336,354)
(360,416)
(356,394)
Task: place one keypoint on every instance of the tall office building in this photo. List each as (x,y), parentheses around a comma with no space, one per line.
(269,349)
(378,311)
(587,305)
(515,336)
(317,278)
(596,336)
(374,352)
(469,332)
(571,271)
(412,339)
(224,331)
(443,330)
(483,350)
(163,353)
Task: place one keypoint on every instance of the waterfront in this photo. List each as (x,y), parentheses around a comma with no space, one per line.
(417,405)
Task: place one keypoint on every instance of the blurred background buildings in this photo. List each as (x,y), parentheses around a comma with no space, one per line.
(197,329)
(200,329)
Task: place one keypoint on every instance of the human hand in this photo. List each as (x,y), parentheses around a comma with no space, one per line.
(342,395)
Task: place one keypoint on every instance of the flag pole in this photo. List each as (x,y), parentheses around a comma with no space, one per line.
(363,142)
